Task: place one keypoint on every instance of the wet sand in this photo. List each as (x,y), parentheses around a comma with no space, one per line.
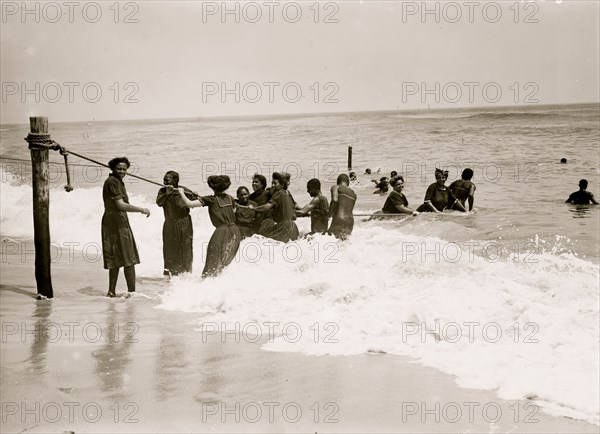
(86,363)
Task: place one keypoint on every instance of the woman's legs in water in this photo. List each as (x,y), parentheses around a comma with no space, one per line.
(113,276)
(130,278)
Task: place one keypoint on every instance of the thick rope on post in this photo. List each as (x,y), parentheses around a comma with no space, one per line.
(39,140)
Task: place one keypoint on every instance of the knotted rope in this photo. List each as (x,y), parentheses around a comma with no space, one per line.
(64,153)
(39,140)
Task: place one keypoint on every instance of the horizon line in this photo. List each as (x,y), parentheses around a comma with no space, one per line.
(438,109)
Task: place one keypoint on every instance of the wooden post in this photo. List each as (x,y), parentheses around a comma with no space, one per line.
(349,158)
(39,144)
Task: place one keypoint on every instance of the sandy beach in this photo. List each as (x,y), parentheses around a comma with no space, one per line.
(86,363)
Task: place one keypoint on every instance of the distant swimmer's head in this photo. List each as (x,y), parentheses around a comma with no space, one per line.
(171,178)
(313,187)
(343,178)
(383,184)
(259,182)
(279,181)
(367,171)
(218,183)
(583,184)
(352,176)
(394,174)
(563,160)
(467,174)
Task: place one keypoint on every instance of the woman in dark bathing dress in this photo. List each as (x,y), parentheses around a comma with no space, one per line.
(177,231)
(225,240)
(438,197)
(118,245)
(260,196)
(244,215)
(281,204)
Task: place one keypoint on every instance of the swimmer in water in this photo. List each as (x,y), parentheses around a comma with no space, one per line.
(382,185)
(318,208)
(463,189)
(343,199)
(438,197)
(582,197)
(396,202)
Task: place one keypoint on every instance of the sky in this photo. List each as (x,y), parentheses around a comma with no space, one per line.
(86,61)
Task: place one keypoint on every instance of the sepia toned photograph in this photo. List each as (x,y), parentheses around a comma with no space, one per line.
(354,216)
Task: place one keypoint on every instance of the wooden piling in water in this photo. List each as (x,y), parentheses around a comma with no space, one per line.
(39,144)
(349,158)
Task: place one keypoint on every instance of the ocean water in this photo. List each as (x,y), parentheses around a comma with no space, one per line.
(505,297)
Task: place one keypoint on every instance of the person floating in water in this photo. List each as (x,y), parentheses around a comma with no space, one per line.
(225,240)
(318,208)
(464,189)
(382,185)
(352,176)
(118,245)
(343,200)
(244,215)
(396,202)
(177,230)
(582,197)
(438,197)
(367,171)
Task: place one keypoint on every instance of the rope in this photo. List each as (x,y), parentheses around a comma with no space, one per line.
(381,215)
(43,140)
(65,151)
(68,187)
(39,140)
(29,161)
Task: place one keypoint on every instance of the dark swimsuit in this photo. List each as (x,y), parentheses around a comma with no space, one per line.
(177,232)
(342,222)
(118,245)
(282,227)
(319,216)
(225,240)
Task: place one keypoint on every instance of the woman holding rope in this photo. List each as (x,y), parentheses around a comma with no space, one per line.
(282,227)
(225,240)
(118,245)
(177,231)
